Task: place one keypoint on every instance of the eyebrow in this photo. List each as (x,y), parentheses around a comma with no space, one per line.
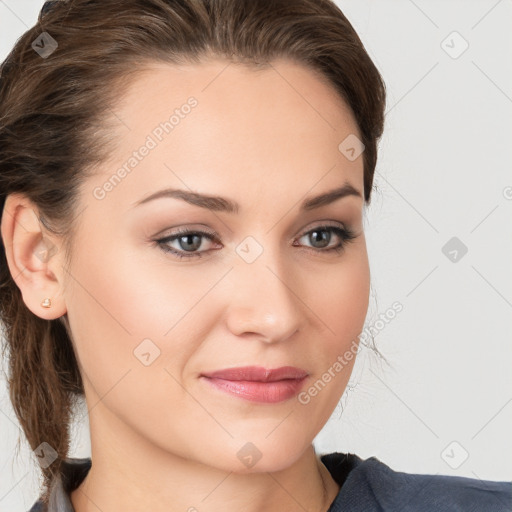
(221,204)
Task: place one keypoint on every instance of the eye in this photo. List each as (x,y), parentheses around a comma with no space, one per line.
(321,236)
(190,241)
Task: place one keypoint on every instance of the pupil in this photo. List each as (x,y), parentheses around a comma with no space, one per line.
(194,246)
(325,238)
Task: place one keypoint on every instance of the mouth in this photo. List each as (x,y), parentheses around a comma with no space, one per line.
(258,384)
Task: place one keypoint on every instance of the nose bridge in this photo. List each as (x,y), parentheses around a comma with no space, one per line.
(264,300)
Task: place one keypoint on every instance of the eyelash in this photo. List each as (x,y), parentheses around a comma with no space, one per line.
(346,235)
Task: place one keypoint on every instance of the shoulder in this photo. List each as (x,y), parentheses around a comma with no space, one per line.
(72,472)
(370,485)
(38,506)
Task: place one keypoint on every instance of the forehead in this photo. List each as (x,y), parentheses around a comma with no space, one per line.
(224,83)
(278,126)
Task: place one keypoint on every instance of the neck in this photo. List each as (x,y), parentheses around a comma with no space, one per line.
(131,472)
(133,480)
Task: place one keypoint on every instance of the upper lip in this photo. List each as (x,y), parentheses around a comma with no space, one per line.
(258,373)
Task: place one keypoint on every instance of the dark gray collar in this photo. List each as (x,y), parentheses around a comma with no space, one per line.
(72,473)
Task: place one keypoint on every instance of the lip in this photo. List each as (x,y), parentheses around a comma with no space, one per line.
(258,373)
(258,384)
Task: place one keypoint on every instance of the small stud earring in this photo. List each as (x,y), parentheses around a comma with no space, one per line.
(46,303)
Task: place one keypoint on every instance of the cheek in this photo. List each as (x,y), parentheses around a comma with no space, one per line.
(338,295)
(133,336)
(126,318)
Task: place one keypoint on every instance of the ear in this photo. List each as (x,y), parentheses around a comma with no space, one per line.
(33,257)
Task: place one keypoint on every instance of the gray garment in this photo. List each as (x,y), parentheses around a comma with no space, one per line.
(73,471)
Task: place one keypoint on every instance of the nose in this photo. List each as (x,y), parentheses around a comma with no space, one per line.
(265,300)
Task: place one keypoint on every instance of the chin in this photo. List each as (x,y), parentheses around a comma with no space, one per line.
(245,457)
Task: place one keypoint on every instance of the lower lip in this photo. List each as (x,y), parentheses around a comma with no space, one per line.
(266,392)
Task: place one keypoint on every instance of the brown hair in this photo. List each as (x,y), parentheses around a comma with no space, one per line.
(54,129)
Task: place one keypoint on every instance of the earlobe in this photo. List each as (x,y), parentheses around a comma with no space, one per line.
(32,258)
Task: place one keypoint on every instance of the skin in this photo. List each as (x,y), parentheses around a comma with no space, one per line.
(161,439)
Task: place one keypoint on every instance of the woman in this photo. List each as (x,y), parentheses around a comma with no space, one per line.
(183,186)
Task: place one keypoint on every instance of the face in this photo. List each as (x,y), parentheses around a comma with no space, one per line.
(163,292)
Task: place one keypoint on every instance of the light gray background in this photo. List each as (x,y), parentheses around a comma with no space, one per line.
(444,171)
